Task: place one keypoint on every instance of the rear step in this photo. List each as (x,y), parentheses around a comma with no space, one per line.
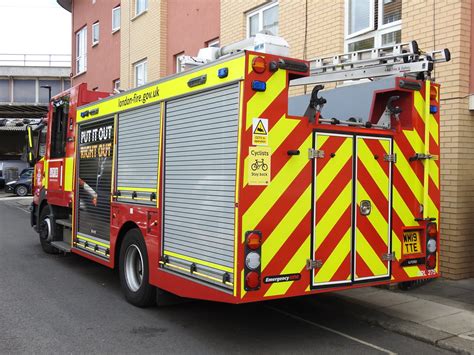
(63,246)
(65,222)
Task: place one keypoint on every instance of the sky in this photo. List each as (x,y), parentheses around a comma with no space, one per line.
(34,27)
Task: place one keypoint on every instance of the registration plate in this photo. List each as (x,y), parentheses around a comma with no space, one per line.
(411,242)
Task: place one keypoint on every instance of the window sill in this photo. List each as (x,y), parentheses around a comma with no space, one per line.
(95,44)
(114,31)
(79,74)
(139,15)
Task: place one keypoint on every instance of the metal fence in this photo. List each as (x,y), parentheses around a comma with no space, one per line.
(35,60)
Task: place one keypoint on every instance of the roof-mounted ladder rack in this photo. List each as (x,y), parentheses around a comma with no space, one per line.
(400,59)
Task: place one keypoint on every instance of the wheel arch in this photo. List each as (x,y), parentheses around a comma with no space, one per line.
(118,242)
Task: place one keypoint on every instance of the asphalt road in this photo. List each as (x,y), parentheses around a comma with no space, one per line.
(67,304)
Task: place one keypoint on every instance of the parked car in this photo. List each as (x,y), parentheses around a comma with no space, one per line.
(22,186)
(10,169)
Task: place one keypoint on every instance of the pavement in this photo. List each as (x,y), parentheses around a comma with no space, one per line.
(440,312)
(70,304)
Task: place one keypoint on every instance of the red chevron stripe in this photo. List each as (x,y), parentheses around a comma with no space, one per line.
(362,270)
(328,197)
(336,234)
(373,190)
(344,270)
(331,145)
(284,203)
(408,151)
(286,252)
(405,191)
(377,149)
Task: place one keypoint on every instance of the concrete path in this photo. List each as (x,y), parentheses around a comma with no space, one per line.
(440,312)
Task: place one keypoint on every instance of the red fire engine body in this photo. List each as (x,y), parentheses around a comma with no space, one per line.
(203,184)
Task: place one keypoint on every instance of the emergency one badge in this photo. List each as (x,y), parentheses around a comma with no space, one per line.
(260,131)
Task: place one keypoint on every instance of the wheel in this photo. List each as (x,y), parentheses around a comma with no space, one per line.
(264,167)
(45,230)
(254,166)
(21,190)
(134,270)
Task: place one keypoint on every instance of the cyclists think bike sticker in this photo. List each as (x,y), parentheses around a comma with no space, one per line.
(259,164)
(260,131)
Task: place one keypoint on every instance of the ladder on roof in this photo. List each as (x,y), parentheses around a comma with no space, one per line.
(401,59)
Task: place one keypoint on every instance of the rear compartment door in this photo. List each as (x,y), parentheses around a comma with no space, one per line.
(351,205)
(333,192)
(372,212)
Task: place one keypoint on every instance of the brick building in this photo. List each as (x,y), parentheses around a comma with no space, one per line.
(317,28)
(95,43)
(156,32)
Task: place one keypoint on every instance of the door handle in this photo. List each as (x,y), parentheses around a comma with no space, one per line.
(365,207)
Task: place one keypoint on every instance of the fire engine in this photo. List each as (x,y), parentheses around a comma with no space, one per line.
(215,183)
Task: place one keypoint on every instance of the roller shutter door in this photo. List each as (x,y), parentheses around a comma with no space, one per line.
(199,180)
(137,149)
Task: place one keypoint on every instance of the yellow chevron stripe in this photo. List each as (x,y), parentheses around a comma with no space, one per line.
(373,167)
(331,265)
(260,101)
(333,166)
(275,189)
(408,174)
(370,257)
(420,108)
(375,218)
(334,214)
(295,265)
(276,136)
(287,225)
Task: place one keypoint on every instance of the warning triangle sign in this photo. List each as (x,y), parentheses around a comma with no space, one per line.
(260,129)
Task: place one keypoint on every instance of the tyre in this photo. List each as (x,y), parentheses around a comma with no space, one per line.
(21,190)
(45,229)
(134,271)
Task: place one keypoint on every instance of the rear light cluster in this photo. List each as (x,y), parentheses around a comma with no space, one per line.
(431,245)
(253,252)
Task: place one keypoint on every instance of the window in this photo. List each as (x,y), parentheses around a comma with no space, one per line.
(116,84)
(372,23)
(263,19)
(116,19)
(177,59)
(95,33)
(213,43)
(140,6)
(81,50)
(140,73)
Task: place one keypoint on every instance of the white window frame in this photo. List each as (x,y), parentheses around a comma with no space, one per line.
(81,56)
(143,63)
(214,43)
(145,8)
(259,12)
(115,29)
(94,40)
(364,30)
(177,61)
(368,33)
(116,83)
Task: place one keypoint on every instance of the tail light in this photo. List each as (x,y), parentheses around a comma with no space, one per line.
(431,245)
(259,65)
(252,269)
